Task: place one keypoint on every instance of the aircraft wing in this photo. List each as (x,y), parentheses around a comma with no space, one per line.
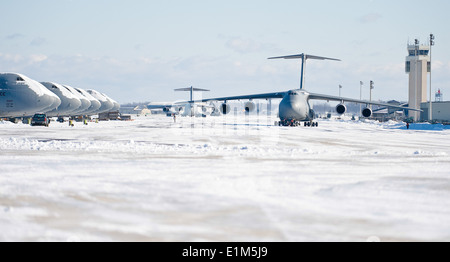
(351,100)
(246,97)
(174,104)
(162,105)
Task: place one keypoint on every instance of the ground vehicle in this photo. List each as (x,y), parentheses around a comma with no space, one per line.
(40,120)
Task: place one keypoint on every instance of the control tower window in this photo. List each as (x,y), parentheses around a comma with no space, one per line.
(419,52)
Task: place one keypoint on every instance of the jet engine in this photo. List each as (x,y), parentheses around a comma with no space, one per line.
(225,108)
(249,107)
(341,109)
(367,112)
(172,110)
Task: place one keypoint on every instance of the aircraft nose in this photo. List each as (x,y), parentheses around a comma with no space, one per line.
(45,101)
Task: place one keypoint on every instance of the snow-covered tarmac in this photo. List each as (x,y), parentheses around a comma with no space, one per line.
(223,179)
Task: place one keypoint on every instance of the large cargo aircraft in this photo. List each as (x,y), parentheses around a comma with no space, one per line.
(185,108)
(295,106)
(21,96)
(95,104)
(69,102)
(105,104)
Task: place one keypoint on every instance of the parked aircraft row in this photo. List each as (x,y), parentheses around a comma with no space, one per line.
(21,96)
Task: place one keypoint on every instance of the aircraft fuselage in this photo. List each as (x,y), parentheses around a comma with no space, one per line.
(20,96)
(295,106)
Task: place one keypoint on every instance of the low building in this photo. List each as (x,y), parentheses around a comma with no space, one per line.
(441,112)
(115,115)
(131,110)
(384,114)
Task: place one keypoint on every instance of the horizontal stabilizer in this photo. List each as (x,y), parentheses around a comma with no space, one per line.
(304,56)
(192,89)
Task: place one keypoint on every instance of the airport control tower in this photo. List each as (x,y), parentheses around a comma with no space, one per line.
(418,67)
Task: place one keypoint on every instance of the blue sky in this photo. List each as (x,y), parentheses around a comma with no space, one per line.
(142,50)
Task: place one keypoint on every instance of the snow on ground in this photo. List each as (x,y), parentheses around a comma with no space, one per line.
(224,179)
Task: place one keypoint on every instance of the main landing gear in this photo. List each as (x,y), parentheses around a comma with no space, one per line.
(312,124)
(297,123)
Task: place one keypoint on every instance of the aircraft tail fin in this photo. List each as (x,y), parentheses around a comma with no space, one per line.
(303,57)
(192,90)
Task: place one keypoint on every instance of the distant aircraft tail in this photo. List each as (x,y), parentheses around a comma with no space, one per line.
(192,90)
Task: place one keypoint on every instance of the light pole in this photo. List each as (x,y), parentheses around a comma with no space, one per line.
(416,60)
(430,113)
(360,96)
(372,86)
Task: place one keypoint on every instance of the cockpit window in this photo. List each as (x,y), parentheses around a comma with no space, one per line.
(54,87)
(20,79)
(293,94)
(68,89)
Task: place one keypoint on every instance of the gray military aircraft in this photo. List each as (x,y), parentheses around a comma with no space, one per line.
(95,104)
(85,103)
(106,104)
(21,96)
(116,105)
(294,107)
(184,108)
(69,102)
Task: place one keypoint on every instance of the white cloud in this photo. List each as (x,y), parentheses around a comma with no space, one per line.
(246,45)
(38,41)
(438,65)
(370,18)
(14,36)
(11,58)
(37,58)
(241,45)
(20,59)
